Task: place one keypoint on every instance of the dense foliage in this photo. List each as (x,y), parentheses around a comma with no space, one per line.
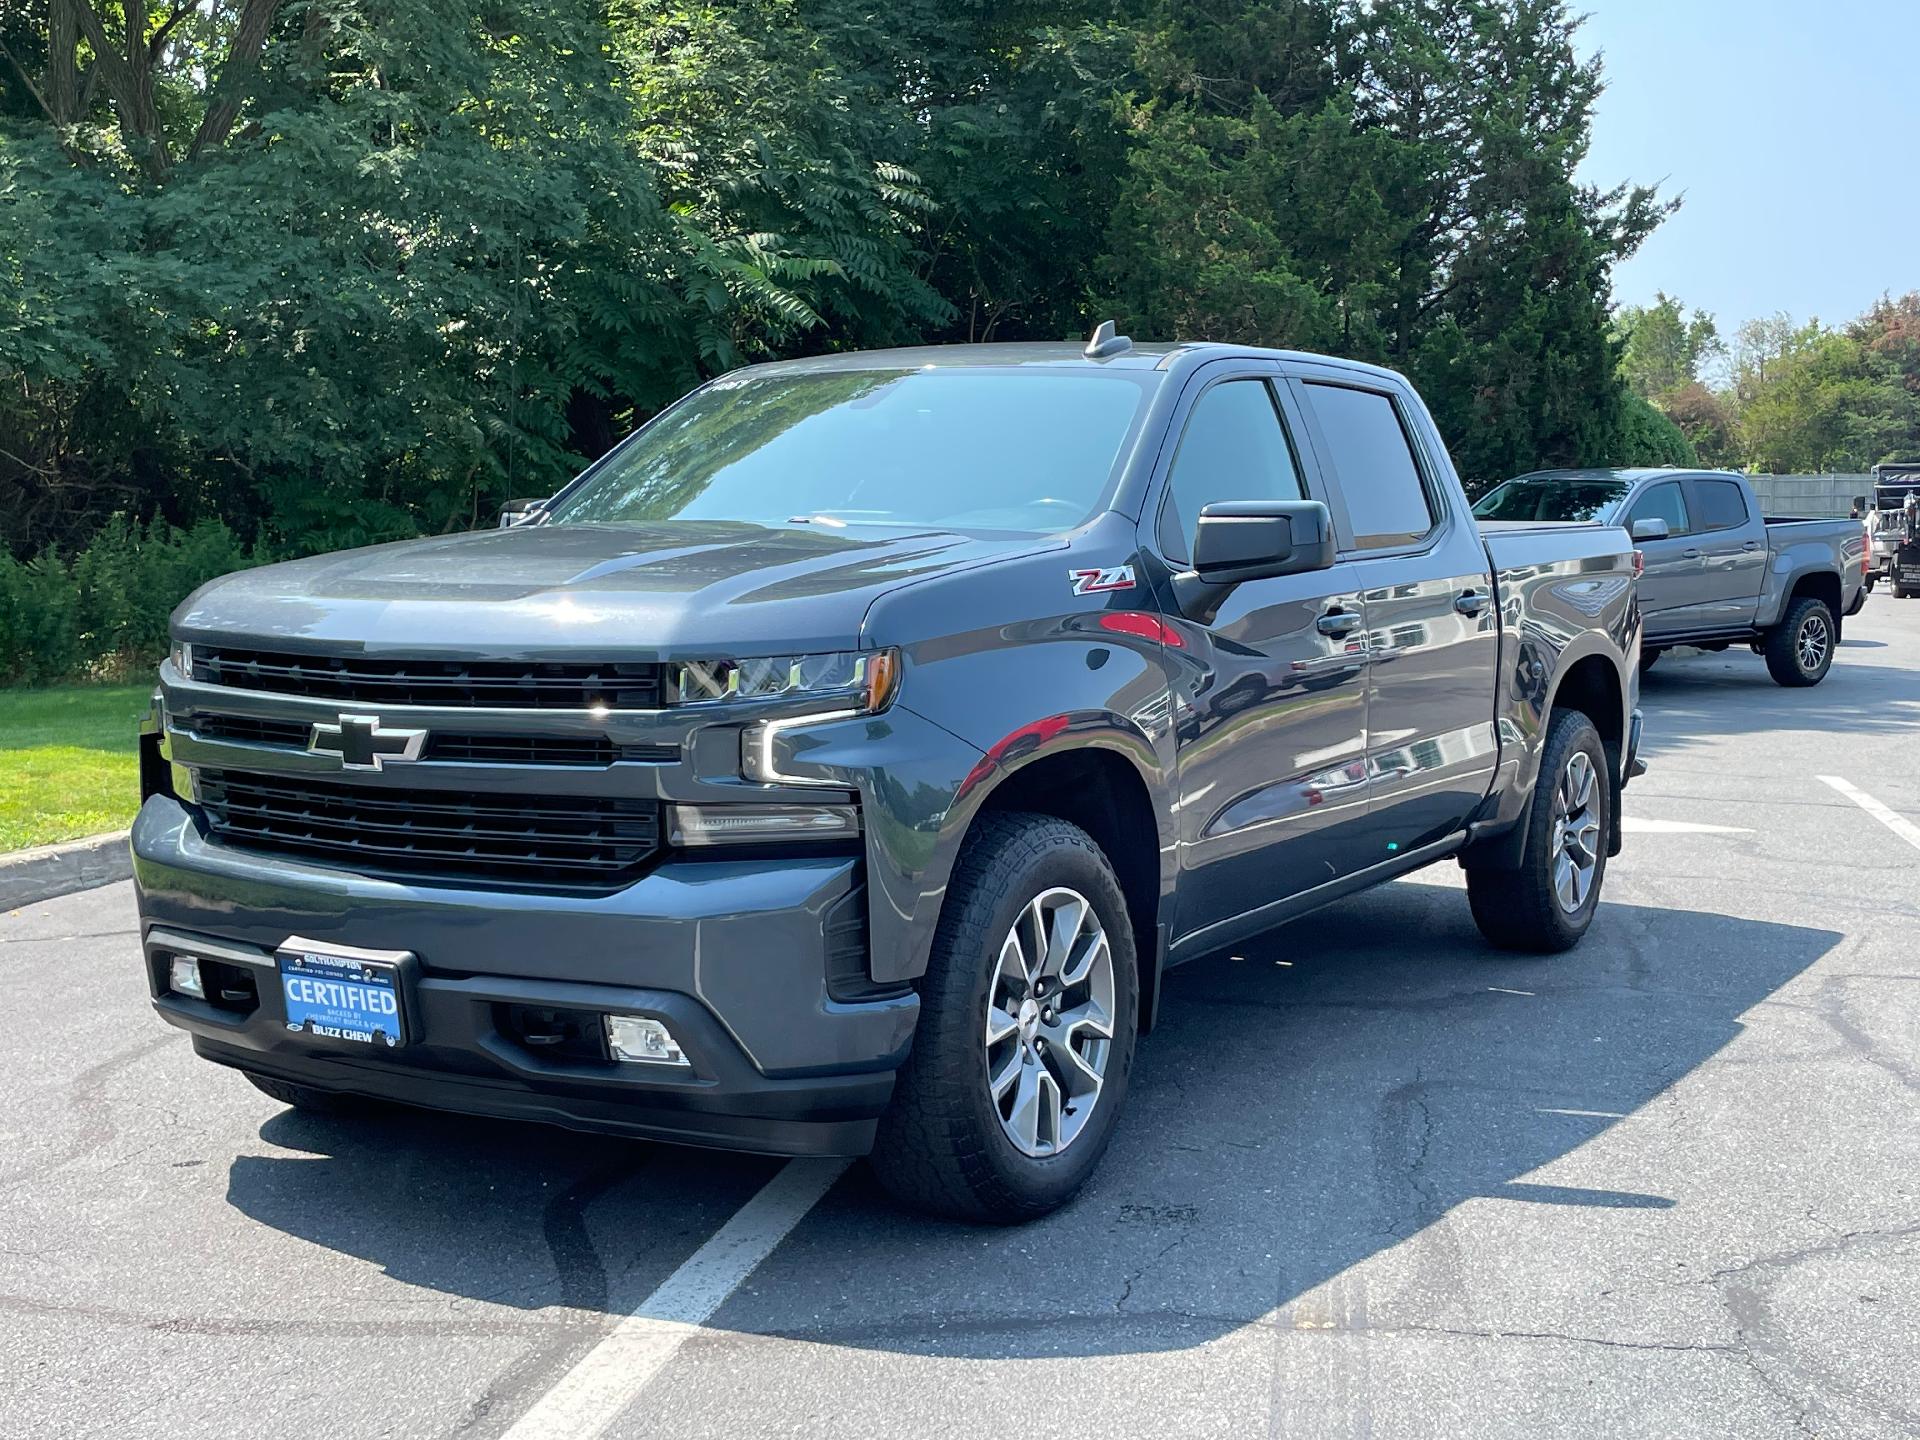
(331,271)
(1787,397)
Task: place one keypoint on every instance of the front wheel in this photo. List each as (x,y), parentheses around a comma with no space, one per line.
(1545,904)
(1799,649)
(1027,1027)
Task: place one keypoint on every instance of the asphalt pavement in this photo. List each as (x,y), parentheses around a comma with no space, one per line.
(1374,1179)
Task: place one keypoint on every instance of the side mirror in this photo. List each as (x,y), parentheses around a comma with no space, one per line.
(1240,540)
(1652,528)
(520,512)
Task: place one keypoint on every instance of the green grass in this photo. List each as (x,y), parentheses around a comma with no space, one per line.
(69,762)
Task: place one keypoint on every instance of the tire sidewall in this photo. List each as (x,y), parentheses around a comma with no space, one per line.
(1572,732)
(1043,1181)
(1806,613)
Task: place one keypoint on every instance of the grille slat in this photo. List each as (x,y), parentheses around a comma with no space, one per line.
(359,679)
(460,748)
(588,840)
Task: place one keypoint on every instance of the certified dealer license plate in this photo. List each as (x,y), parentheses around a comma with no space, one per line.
(343,994)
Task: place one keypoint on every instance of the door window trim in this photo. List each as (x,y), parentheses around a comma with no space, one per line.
(1350,548)
(1698,483)
(1268,374)
(1680,486)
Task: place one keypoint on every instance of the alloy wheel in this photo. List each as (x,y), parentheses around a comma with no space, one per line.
(1049,1022)
(1576,832)
(1812,643)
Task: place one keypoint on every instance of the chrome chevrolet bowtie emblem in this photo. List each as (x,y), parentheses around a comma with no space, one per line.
(362,745)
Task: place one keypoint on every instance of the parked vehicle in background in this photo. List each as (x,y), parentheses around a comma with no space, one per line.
(1718,573)
(1892,529)
(837,765)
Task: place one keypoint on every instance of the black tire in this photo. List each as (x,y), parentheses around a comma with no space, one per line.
(1520,909)
(1900,591)
(1783,644)
(941,1147)
(305,1097)
(1648,657)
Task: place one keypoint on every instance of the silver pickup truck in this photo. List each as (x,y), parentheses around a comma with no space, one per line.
(1717,573)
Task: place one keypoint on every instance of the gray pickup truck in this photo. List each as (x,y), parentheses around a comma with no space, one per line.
(1717,573)
(838,764)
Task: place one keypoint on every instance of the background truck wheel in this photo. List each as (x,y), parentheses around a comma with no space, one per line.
(1027,1027)
(1547,903)
(1900,591)
(1799,649)
(305,1097)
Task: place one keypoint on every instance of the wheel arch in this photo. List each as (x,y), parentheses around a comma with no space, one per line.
(1105,792)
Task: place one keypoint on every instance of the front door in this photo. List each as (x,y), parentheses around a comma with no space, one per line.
(1670,584)
(1270,706)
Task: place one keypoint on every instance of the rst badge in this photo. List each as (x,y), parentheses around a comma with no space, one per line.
(1097,582)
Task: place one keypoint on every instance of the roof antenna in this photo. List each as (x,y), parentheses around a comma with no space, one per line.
(1105,342)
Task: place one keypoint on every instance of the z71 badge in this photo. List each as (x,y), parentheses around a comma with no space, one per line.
(1095,582)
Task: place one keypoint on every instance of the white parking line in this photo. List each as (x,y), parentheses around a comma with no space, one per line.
(1634,825)
(1899,824)
(609,1376)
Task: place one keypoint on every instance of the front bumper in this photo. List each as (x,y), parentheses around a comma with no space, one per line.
(731,954)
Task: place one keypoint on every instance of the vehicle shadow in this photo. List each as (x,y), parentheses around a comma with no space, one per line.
(1338,1088)
(1692,696)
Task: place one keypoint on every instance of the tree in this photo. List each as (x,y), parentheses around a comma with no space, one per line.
(1663,349)
(1649,437)
(1707,420)
(1393,181)
(1823,402)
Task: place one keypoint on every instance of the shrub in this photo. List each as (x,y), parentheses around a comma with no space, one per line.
(104,614)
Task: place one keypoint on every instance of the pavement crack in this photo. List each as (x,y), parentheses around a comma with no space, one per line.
(1126,1289)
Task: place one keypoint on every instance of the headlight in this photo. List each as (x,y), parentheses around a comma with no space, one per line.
(863,680)
(181,654)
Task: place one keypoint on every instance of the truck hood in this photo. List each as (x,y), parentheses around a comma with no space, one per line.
(674,589)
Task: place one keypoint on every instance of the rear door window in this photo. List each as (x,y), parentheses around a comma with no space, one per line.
(1234,448)
(1721,505)
(1662,502)
(1373,461)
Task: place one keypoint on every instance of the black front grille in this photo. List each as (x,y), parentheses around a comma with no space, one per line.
(359,679)
(549,840)
(445,745)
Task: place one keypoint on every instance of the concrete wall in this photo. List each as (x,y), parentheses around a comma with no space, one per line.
(1809,494)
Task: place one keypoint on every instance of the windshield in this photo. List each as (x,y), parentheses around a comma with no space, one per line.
(1553,499)
(959,449)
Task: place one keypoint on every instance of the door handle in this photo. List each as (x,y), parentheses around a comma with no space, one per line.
(1469,602)
(1689,554)
(1337,622)
(1749,544)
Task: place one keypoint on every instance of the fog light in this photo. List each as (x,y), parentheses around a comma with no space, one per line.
(183,977)
(640,1041)
(741,824)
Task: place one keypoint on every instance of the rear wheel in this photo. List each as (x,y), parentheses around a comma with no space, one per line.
(1546,903)
(307,1098)
(1026,1036)
(1799,649)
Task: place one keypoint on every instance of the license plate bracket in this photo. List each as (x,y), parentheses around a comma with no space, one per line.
(344,994)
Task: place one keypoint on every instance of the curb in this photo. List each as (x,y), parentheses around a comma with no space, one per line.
(40,874)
